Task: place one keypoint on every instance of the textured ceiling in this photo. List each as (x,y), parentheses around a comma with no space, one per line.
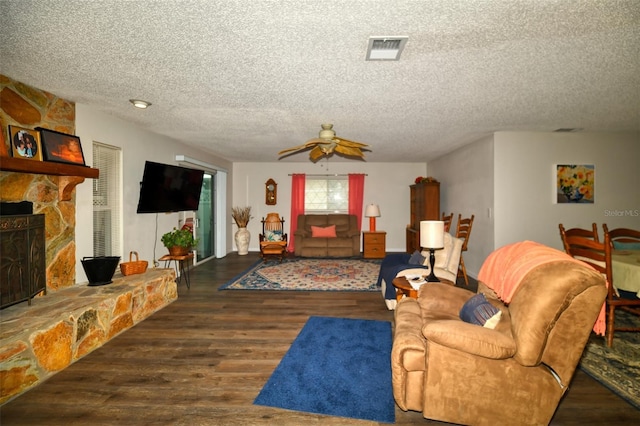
(246,79)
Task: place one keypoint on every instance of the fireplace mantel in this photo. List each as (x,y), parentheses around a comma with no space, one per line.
(70,175)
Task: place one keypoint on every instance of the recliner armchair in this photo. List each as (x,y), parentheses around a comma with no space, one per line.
(458,372)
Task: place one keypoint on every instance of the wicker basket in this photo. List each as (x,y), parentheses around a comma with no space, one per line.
(133,267)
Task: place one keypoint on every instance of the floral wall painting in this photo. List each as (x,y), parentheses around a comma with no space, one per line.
(575,183)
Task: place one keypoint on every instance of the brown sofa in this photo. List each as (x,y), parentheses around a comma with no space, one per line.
(516,373)
(345,244)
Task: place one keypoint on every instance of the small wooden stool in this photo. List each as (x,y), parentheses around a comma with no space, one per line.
(179,263)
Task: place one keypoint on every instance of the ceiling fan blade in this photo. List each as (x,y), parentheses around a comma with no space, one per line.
(352,144)
(317,140)
(297,148)
(315,154)
(349,151)
(325,147)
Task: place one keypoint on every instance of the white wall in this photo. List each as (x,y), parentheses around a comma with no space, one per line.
(512,173)
(466,188)
(385,184)
(140,232)
(507,181)
(525,207)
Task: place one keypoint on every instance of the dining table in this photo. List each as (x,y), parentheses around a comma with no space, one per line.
(625,267)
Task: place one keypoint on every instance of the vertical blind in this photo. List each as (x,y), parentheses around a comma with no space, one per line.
(107,193)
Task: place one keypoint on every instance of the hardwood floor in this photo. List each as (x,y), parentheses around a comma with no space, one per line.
(203,359)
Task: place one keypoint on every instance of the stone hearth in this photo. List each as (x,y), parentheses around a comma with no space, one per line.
(72,319)
(56,330)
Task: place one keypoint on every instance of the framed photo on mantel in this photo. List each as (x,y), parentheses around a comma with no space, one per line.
(25,143)
(61,147)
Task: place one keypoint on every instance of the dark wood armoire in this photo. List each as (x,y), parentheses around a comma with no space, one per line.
(425,205)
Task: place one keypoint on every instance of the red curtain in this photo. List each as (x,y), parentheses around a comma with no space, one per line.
(356,195)
(297,205)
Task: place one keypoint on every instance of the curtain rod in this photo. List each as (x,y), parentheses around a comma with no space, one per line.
(335,174)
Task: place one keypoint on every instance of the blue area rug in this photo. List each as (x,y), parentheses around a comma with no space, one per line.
(309,274)
(337,367)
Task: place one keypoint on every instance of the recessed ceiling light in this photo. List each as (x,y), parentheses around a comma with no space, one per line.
(386,48)
(140,104)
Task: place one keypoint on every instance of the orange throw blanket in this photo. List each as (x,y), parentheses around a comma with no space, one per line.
(505,268)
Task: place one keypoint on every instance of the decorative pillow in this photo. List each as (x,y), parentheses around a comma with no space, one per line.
(320,232)
(416,258)
(273,235)
(617,245)
(479,311)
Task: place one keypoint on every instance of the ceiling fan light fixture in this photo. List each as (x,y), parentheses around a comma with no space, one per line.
(140,103)
(326,145)
(327,132)
(385,48)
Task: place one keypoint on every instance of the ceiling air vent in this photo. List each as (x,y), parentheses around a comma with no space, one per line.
(385,48)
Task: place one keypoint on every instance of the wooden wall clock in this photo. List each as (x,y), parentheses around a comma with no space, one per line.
(271,191)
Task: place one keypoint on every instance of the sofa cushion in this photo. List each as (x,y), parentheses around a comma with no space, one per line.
(477,310)
(617,245)
(273,235)
(323,232)
(315,220)
(416,258)
(342,223)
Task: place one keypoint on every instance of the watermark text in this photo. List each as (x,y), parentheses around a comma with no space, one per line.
(622,213)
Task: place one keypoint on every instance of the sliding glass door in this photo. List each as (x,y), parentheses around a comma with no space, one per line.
(205,220)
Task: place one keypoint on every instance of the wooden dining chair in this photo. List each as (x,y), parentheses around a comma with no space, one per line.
(463,231)
(623,238)
(598,255)
(447,221)
(578,232)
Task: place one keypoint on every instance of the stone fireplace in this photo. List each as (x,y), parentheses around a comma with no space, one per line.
(50,186)
(71,320)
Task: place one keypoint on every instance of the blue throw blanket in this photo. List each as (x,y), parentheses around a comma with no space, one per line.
(391,265)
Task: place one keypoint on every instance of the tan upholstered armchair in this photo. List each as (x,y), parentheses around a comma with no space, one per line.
(516,373)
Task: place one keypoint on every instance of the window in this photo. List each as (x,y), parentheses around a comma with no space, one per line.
(107,191)
(326,195)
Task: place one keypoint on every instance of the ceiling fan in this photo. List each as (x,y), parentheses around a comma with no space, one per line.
(326,145)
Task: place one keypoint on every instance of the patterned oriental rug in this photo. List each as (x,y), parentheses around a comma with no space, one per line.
(618,367)
(309,275)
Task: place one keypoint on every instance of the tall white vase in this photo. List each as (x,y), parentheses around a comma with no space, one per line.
(242,241)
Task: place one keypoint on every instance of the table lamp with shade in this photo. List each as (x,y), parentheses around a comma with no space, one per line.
(372,211)
(432,238)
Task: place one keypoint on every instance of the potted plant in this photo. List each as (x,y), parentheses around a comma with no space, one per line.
(179,241)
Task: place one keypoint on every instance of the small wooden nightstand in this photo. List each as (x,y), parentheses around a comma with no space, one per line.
(374,244)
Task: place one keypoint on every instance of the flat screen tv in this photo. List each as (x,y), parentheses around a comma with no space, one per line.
(165,188)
